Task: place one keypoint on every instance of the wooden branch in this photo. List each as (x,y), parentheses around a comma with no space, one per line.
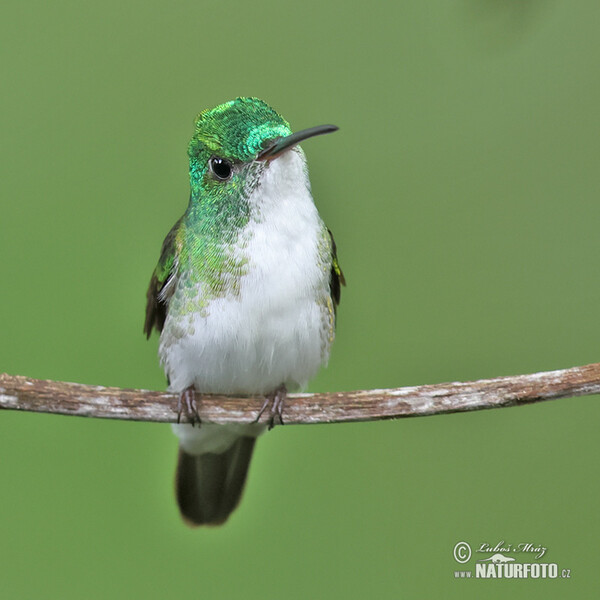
(37,395)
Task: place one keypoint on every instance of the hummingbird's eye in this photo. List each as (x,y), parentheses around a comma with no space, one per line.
(221,167)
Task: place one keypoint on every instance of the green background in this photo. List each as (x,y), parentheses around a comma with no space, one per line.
(463,191)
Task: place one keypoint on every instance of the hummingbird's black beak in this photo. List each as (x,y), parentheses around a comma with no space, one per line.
(279,145)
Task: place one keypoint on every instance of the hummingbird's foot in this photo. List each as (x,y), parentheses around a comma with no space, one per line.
(275,401)
(188,396)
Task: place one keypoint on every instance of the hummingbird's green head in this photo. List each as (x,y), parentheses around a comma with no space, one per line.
(230,135)
(237,130)
(233,142)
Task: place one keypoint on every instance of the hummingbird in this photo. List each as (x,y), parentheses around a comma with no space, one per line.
(244,294)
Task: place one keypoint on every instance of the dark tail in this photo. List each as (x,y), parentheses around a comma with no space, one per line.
(209,486)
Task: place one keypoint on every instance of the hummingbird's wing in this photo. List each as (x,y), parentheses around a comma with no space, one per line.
(336,278)
(162,283)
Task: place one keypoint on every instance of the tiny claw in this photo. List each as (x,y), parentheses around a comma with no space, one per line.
(191,406)
(275,401)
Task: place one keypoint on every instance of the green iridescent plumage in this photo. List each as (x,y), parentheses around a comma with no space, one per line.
(199,246)
(236,130)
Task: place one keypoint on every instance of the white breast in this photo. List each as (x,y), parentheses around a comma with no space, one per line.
(277,329)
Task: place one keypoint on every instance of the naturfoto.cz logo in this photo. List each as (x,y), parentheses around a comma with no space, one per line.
(501,566)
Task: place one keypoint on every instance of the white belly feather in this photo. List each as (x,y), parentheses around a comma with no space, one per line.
(278,327)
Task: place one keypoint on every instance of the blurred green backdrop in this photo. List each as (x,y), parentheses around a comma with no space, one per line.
(463,191)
